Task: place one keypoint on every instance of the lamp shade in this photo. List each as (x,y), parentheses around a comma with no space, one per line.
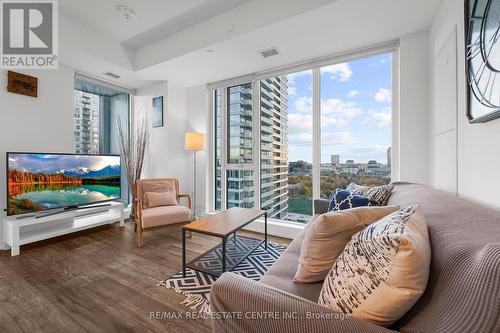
(194,141)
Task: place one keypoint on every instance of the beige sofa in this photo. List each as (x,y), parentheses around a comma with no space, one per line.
(463,293)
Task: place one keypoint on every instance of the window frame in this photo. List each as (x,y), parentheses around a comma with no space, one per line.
(314,65)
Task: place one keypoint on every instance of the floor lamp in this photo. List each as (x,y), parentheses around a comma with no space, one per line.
(194,142)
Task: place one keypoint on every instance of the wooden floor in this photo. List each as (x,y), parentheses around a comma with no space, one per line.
(97,281)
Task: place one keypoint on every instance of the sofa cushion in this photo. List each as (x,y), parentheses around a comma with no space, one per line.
(157,216)
(379,194)
(157,199)
(343,199)
(382,271)
(463,289)
(281,274)
(327,236)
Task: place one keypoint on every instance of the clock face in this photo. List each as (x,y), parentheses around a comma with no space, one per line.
(483,58)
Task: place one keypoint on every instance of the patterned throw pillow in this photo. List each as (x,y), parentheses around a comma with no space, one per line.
(379,194)
(327,236)
(343,199)
(382,271)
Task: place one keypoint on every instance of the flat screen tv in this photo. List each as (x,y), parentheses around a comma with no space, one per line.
(39,182)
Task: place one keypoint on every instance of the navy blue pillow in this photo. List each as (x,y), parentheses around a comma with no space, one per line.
(343,199)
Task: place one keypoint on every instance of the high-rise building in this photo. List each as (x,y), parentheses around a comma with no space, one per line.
(335,160)
(389,156)
(86,126)
(274,147)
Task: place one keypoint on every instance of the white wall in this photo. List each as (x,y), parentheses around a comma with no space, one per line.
(165,156)
(414,108)
(42,124)
(198,120)
(471,151)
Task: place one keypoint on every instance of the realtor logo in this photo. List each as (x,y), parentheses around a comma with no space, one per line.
(29,34)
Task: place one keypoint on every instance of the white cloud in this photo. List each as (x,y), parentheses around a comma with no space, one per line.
(292,91)
(378,118)
(335,138)
(383,95)
(299,122)
(341,72)
(300,127)
(304,104)
(353,93)
(335,105)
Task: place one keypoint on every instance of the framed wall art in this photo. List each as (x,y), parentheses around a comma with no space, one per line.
(158,111)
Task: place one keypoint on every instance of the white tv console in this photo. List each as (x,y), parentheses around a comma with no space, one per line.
(20,230)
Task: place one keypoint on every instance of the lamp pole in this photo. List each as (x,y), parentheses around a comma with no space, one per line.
(195,217)
(194,142)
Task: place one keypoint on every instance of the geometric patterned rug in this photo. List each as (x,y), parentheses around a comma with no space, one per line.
(196,285)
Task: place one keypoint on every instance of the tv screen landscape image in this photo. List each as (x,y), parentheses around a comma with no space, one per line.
(38,182)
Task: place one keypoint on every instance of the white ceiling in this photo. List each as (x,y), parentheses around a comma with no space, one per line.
(166,42)
(102,16)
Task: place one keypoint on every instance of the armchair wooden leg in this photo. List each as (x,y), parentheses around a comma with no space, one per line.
(139,237)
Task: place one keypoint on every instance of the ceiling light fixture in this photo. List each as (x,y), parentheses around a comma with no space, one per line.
(209,51)
(126,12)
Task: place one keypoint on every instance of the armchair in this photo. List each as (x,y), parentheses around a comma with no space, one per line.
(158,217)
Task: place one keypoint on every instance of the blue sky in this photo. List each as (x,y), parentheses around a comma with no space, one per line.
(356,103)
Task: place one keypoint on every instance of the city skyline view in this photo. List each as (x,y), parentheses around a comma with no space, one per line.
(356,105)
(355,111)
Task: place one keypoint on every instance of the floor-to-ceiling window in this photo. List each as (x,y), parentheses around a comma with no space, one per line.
(96,111)
(356,132)
(269,131)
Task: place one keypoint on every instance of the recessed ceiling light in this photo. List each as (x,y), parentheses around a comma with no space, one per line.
(209,51)
(126,12)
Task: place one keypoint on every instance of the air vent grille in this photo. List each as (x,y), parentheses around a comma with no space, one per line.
(269,52)
(113,75)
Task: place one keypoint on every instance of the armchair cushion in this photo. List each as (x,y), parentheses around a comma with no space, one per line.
(157,199)
(155,185)
(164,215)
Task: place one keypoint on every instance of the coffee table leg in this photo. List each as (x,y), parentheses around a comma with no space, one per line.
(265,230)
(183,252)
(223,254)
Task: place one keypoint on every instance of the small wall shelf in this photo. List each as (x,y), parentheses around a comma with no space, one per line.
(19,231)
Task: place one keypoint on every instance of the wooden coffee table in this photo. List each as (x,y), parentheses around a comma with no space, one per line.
(233,249)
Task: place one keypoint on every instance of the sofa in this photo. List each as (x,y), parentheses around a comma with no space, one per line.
(462,294)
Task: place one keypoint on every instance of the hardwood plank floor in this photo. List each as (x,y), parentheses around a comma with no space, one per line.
(98,281)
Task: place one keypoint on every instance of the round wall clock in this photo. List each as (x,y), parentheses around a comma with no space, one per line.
(483,59)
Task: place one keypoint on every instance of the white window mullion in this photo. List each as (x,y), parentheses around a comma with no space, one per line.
(395,151)
(316,110)
(256,141)
(224,149)
(212,150)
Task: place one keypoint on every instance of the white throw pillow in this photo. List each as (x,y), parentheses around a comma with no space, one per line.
(382,271)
